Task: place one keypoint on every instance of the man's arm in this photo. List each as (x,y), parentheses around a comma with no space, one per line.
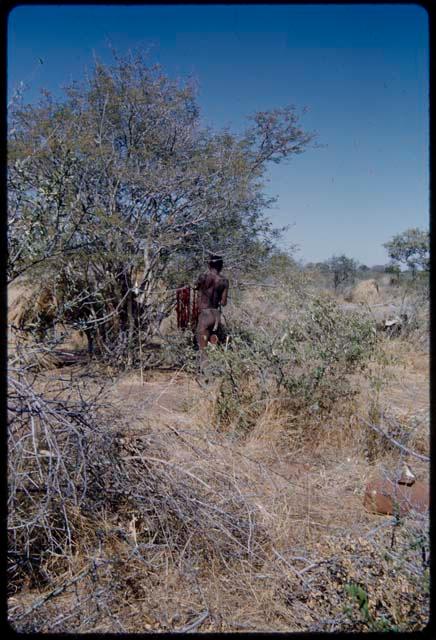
(200,282)
(223,300)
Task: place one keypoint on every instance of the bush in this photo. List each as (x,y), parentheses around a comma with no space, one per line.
(305,361)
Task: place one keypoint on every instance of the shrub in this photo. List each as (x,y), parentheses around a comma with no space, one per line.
(305,362)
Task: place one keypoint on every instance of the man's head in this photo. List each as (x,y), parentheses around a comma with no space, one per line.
(215,262)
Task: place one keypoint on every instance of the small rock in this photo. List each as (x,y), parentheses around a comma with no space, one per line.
(406,477)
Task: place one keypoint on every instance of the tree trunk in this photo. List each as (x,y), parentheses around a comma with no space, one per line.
(131,329)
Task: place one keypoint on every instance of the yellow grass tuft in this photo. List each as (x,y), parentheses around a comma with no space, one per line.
(366,292)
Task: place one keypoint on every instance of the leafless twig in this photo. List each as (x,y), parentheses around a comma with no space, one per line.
(394,442)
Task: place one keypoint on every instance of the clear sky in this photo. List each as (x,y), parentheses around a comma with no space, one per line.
(362,71)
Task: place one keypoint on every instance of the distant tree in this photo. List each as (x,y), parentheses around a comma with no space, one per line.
(378,268)
(343,270)
(281,264)
(323,267)
(394,271)
(363,268)
(411,248)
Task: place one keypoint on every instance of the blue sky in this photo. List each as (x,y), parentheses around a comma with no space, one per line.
(362,71)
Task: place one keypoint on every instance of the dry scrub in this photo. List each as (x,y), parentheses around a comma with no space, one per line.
(247,515)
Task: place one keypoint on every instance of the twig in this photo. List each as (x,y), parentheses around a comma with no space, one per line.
(395,442)
(314,564)
(169,384)
(147,458)
(53,593)
(194,624)
(258,284)
(288,564)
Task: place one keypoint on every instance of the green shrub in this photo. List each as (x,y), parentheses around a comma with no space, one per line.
(305,361)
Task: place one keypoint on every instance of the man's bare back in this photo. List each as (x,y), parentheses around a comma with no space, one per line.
(212,288)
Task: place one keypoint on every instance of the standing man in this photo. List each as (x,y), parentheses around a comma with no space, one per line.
(212,294)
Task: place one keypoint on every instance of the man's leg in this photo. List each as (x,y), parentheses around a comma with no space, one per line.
(206,321)
(203,336)
(221,333)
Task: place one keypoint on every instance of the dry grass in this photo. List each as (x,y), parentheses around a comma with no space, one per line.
(27,303)
(192,524)
(366,292)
